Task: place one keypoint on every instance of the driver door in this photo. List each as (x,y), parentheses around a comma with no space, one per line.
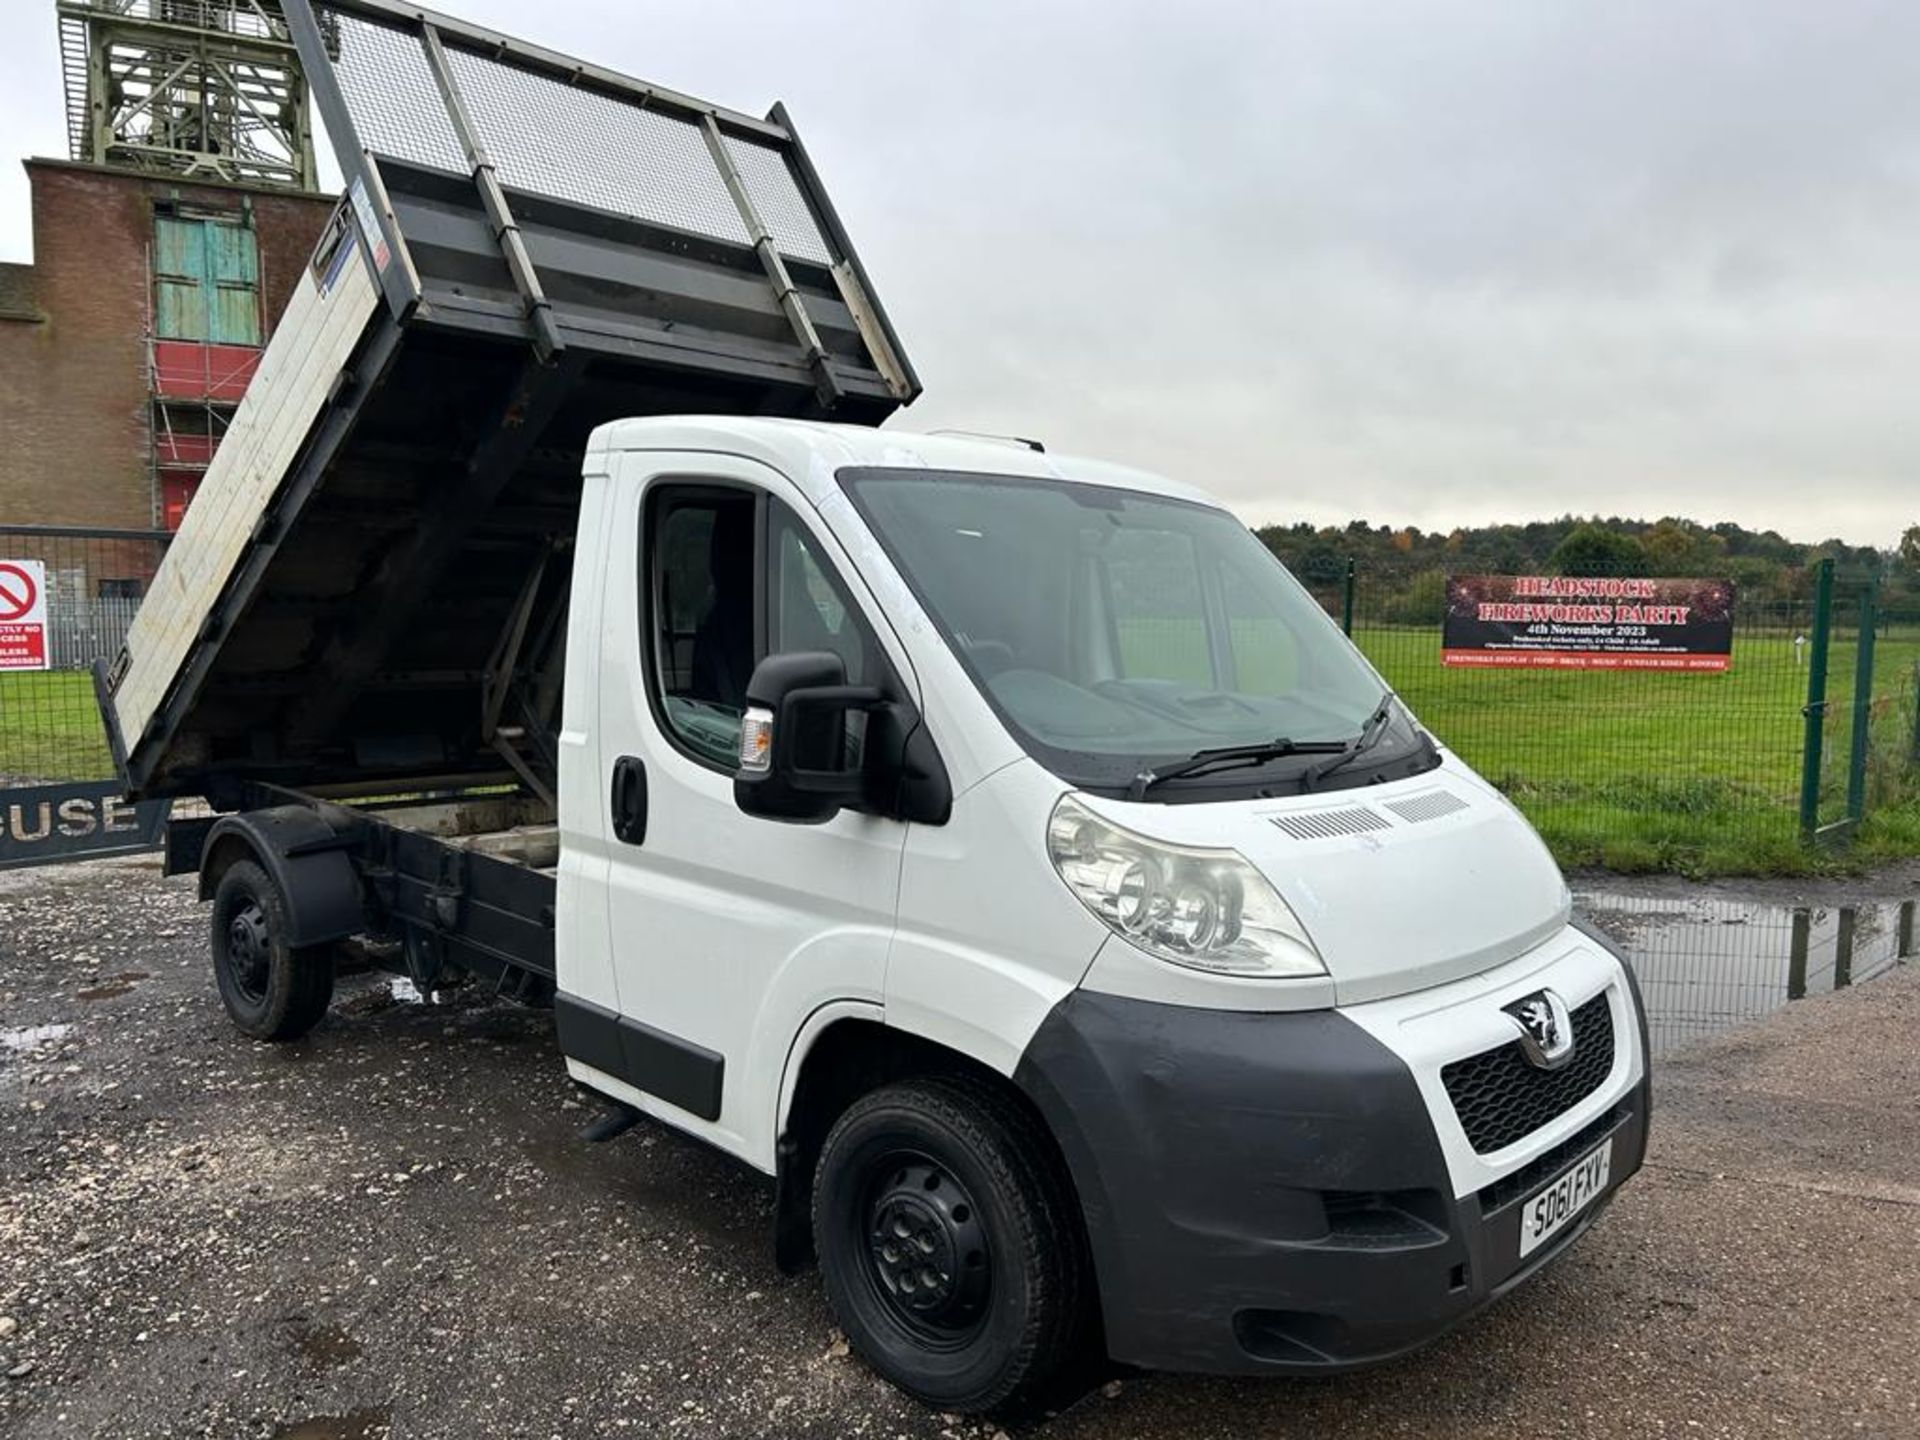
(727,930)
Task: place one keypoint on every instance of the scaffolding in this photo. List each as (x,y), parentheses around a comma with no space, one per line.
(188,412)
(202,89)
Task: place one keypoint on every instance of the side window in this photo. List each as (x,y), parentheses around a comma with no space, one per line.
(733,576)
(807,609)
(1266,654)
(702,581)
(1153,587)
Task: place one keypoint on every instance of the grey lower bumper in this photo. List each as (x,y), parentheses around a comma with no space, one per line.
(1265,1193)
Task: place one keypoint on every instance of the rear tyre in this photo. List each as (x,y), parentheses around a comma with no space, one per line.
(950,1246)
(271,990)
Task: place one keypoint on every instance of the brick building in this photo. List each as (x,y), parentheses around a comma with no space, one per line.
(127,342)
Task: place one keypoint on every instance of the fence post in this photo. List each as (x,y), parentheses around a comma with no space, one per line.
(1816,710)
(1862,703)
(1843,950)
(1904,933)
(1797,957)
(1346,601)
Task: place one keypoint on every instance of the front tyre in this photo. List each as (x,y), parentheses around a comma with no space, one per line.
(271,990)
(949,1244)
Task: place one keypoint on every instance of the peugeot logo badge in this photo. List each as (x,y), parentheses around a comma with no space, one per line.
(1546,1029)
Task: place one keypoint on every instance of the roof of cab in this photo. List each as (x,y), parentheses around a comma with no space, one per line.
(809,452)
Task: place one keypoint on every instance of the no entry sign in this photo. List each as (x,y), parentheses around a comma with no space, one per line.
(23,615)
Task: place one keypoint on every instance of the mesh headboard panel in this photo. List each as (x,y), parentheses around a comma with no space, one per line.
(569,142)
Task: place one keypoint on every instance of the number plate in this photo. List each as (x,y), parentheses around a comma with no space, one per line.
(1550,1209)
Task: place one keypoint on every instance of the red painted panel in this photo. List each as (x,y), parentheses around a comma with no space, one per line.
(188,450)
(176,493)
(189,370)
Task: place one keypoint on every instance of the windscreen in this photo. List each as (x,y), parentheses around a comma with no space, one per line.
(1115,631)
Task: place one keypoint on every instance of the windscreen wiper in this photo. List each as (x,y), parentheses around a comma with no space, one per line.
(1371,729)
(1230,757)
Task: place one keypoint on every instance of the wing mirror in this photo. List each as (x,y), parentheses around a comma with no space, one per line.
(796,762)
(801,761)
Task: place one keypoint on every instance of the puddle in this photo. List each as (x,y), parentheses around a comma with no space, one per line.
(32,1037)
(1708,965)
(366,994)
(325,1345)
(368,1424)
(113,985)
(405,992)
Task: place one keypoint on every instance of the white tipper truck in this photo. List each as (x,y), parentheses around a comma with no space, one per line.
(999,850)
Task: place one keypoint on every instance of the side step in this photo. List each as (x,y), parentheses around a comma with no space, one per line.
(620,1118)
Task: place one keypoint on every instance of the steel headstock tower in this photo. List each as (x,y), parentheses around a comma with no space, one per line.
(210,90)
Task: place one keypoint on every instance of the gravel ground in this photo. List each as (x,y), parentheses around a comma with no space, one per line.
(391,1229)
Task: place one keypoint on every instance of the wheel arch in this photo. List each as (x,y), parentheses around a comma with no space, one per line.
(307,860)
(844,1052)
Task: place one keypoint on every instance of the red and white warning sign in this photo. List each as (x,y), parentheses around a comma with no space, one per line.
(23,615)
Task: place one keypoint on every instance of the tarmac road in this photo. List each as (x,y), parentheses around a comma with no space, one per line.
(391,1229)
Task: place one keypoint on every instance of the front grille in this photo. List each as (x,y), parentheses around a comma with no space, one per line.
(1544,1167)
(1501,1098)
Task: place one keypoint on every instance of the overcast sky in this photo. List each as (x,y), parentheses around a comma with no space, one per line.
(1417,262)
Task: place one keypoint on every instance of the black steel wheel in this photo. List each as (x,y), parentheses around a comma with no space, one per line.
(249,950)
(949,1244)
(928,1255)
(272,990)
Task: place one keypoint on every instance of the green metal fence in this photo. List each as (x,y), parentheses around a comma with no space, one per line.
(90,583)
(1811,731)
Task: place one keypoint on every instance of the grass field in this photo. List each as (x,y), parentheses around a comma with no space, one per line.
(1629,770)
(50,728)
(1649,770)
(1636,770)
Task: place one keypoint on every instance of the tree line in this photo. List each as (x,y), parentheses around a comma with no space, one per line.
(1401,573)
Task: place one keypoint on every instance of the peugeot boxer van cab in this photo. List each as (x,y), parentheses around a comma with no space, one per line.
(1005,853)
(1170,984)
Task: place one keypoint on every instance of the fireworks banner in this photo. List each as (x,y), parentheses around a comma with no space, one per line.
(1572,623)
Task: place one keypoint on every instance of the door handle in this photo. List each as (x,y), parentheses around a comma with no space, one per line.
(629,800)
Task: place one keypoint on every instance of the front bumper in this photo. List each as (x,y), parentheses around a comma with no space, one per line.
(1270,1193)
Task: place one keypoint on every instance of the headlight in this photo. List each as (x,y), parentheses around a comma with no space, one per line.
(1204,909)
